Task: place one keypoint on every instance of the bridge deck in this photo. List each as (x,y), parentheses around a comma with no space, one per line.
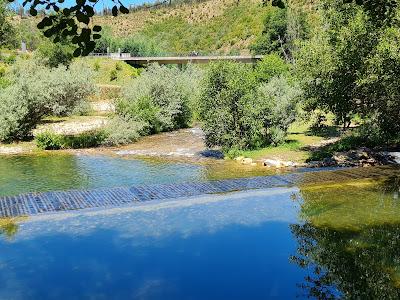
(187,59)
(37,203)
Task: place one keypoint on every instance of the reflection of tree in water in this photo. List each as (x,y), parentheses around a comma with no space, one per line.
(8,227)
(354,262)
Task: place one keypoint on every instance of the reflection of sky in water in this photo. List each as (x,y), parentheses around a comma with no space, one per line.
(232,246)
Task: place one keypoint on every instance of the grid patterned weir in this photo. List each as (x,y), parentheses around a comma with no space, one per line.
(36,203)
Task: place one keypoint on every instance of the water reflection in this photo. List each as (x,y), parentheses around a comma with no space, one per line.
(233,246)
(46,172)
(350,239)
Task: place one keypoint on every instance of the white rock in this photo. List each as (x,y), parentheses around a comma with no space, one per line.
(273,163)
(247,161)
(396,156)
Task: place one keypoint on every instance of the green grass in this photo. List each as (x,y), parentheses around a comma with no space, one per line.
(294,149)
(108,71)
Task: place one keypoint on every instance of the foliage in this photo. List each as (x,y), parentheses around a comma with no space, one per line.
(54,54)
(20,111)
(380,86)
(272,39)
(279,100)
(136,45)
(283,28)
(53,141)
(121,131)
(272,65)
(205,31)
(351,66)
(159,98)
(7,32)
(36,91)
(4,81)
(239,114)
(48,141)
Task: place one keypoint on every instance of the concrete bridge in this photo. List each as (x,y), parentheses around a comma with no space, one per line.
(47,202)
(178,60)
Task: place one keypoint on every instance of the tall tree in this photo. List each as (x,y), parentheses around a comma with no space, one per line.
(7,33)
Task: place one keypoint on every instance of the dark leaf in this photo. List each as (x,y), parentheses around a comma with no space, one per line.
(114,11)
(123,9)
(96,28)
(77,52)
(33,12)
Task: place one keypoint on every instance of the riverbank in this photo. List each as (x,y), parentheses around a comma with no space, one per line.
(301,149)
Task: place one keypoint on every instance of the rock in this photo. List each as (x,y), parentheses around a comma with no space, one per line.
(329,162)
(247,161)
(395,157)
(314,164)
(239,158)
(289,164)
(273,163)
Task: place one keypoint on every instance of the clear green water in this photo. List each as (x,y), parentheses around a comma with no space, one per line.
(36,173)
(336,241)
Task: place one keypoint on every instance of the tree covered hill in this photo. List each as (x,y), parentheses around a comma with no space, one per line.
(214,26)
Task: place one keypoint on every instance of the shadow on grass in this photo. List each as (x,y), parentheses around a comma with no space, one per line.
(324,131)
(346,143)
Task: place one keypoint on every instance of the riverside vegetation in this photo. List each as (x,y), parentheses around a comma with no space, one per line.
(326,64)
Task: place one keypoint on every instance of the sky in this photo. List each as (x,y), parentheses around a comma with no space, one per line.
(100,4)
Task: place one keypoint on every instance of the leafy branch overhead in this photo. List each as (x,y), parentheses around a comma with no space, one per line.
(72,23)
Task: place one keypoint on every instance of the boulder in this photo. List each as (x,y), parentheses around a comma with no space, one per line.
(273,163)
(247,161)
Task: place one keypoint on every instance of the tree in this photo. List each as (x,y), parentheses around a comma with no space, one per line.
(7,33)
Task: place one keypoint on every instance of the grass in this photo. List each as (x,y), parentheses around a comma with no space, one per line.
(294,149)
(111,72)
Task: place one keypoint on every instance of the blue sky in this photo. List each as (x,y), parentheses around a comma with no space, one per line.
(101,3)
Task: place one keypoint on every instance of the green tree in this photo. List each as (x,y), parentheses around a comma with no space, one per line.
(7,32)
(273,38)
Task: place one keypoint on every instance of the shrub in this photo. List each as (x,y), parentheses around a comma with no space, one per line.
(36,91)
(121,131)
(239,114)
(113,75)
(53,141)
(278,101)
(82,108)
(87,139)
(226,107)
(20,111)
(54,54)
(48,141)
(159,98)
(272,65)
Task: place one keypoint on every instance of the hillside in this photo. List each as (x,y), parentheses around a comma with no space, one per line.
(215,26)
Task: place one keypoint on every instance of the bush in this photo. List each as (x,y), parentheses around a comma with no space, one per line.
(36,91)
(48,141)
(226,107)
(20,111)
(122,131)
(272,65)
(54,54)
(159,99)
(237,113)
(52,141)
(279,100)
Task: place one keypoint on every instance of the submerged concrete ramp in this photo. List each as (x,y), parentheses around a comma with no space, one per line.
(47,202)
